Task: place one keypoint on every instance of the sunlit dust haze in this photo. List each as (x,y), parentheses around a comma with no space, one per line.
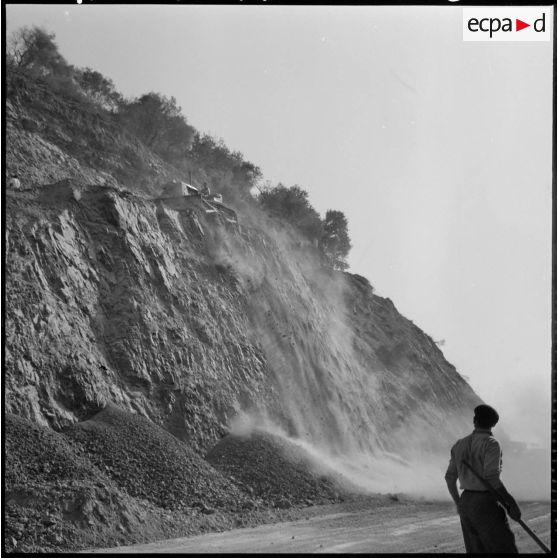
(384,472)
(384,431)
(438,152)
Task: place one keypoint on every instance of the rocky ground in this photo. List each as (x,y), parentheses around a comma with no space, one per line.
(118,479)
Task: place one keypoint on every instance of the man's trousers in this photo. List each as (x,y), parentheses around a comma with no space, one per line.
(485,525)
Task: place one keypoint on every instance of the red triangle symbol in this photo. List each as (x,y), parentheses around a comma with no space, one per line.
(519,25)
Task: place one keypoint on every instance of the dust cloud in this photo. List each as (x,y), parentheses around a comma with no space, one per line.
(383,472)
(331,400)
(527,475)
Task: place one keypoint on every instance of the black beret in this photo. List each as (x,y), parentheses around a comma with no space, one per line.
(486,415)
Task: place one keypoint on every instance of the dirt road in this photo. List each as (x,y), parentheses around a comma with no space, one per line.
(415,527)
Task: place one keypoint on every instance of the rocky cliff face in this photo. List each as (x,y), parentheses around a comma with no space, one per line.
(114,298)
(117,297)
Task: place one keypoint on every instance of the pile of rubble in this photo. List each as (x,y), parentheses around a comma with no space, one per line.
(276,470)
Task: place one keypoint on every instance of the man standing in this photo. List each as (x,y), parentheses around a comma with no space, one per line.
(483,519)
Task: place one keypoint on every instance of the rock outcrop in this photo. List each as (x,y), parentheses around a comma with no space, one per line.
(117,298)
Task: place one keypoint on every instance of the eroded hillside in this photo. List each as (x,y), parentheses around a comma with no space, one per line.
(119,298)
(116,298)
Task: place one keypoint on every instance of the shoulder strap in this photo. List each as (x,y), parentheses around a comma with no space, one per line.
(467,454)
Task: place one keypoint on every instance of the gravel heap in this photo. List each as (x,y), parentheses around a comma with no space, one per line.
(114,479)
(148,462)
(37,454)
(119,479)
(55,498)
(275,470)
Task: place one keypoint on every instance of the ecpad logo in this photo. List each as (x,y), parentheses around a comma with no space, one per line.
(494,24)
(507,24)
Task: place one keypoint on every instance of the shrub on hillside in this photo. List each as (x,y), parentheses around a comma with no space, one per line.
(159,123)
(232,169)
(292,206)
(33,49)
(98,88)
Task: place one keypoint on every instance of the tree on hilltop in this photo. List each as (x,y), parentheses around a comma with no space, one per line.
(33,49)
(335,241)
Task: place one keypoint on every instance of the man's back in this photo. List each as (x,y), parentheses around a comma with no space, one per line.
(482,451)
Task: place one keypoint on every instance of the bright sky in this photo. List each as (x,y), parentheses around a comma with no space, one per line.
(437,150)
